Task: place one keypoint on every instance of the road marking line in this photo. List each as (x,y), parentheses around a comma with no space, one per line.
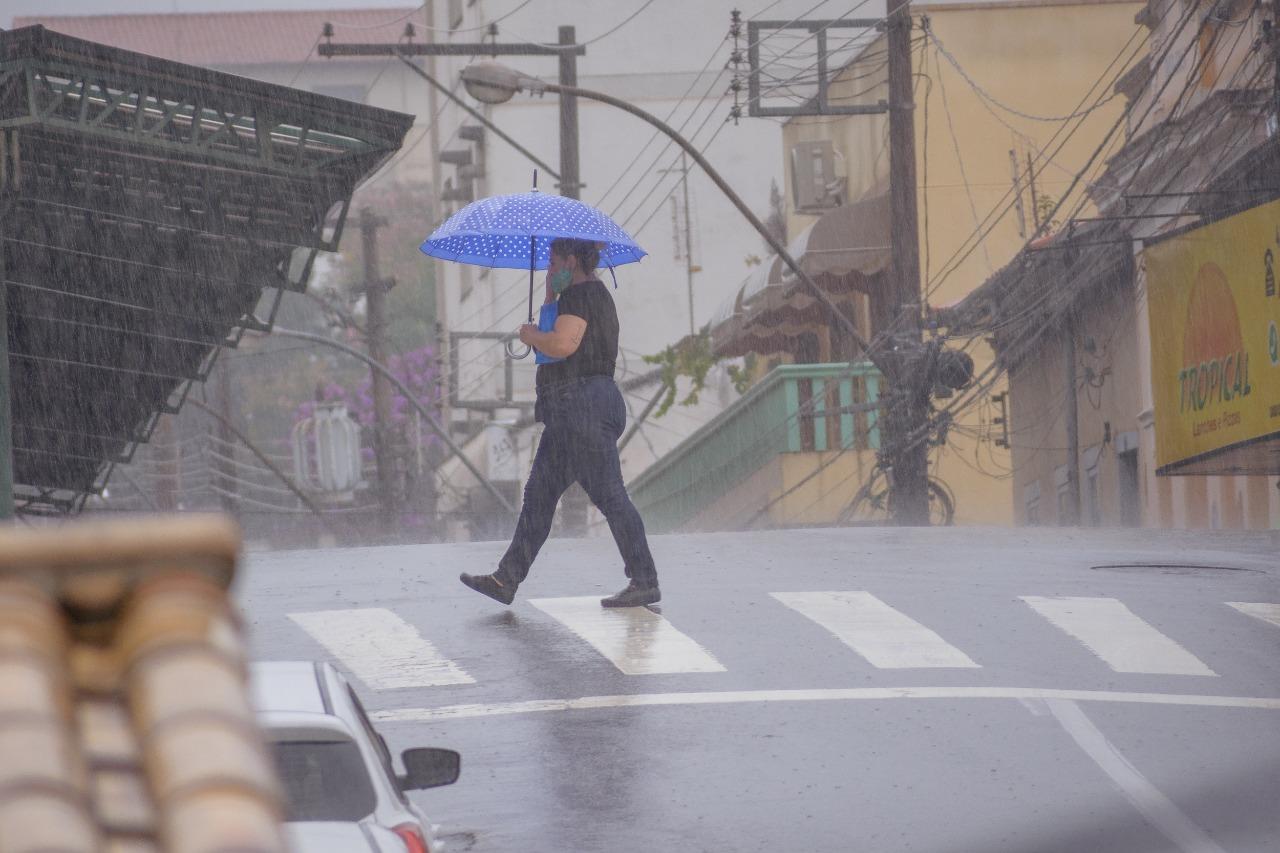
(1116,634)
(733,697)
(380,648)
(887,638)
(1159,810)
(634,639)
(1258,610)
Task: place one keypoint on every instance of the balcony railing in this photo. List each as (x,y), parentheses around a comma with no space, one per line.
(777,415)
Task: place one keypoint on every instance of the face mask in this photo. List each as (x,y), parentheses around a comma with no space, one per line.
(560,281)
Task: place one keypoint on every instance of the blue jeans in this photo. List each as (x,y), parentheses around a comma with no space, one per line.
(584,419)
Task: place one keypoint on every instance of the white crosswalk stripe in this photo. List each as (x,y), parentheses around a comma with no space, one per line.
(1259,610)
(1116,634)
(887,638)
(634,639)
(386,652)
(380,648)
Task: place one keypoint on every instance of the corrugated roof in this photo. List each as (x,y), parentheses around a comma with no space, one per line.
(201,187)
(228,38)
(125,721)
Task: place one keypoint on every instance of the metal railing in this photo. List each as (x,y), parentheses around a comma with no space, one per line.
(796,408)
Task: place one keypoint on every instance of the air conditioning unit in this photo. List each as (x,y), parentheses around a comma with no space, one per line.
(815,184)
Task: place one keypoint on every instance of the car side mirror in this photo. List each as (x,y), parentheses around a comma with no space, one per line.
(428,767)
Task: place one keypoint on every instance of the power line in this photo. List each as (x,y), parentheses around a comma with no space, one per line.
(983,383)
(955,145)
(922,432)
(987,96)
(645,5)
(412,12)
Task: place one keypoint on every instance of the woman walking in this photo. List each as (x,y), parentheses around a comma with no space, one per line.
(583,415)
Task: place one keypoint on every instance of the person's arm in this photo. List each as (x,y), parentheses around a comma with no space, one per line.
(561,342)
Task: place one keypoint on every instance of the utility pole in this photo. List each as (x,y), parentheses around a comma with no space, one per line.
(689,268)
(226,440)
(10,178)
(573,506)
(169,461)
(1035,199)
(570,181)
(1017,194)
(375,291)
(435,453)
(1073,429)
(906,417)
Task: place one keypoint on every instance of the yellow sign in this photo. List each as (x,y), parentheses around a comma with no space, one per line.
(1215,336)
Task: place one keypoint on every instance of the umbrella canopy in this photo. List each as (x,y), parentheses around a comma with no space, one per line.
(497,231)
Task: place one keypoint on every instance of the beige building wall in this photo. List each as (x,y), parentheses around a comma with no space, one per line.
(808,488)
(1040,59)
(1115,430)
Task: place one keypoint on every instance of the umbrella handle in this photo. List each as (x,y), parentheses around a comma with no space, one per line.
(533,242)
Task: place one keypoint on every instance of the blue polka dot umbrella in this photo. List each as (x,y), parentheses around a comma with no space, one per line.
(500,231)
(515,232)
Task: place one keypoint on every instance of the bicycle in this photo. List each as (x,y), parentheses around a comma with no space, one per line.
(873,502)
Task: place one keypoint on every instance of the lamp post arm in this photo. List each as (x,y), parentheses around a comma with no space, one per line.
(261,457)
(773,241)
(478,116)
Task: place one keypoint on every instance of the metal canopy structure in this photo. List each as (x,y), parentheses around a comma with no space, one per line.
(145,205)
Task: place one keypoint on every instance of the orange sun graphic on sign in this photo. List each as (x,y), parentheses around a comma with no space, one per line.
(1213,326)
(1215,366)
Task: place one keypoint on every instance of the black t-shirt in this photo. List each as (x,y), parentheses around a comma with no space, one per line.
(597,355)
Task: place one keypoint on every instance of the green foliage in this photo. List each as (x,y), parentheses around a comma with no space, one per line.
(692,358)
(741,377)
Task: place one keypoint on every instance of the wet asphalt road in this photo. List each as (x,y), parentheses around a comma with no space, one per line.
(978,718)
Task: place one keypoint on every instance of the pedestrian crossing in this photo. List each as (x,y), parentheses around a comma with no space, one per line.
(1265,612)
(380,648)
(1116,634)
(634,639)
(887,638)
(385,652)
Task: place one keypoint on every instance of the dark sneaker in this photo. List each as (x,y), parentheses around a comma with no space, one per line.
(490,586)
(634,595)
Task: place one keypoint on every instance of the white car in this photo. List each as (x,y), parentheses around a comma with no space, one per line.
(332,837)
(334,765)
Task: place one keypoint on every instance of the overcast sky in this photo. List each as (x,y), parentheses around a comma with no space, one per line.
(18,8)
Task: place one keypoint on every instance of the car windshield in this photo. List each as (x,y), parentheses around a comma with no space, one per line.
(324,780)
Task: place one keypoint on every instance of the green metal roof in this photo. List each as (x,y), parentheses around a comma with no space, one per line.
(144,207)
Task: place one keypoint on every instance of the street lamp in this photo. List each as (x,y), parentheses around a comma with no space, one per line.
(495,83)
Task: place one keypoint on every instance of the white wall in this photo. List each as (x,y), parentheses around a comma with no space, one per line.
(652,62)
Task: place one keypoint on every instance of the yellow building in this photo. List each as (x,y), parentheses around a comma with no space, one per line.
(999,89)
(1159,353)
